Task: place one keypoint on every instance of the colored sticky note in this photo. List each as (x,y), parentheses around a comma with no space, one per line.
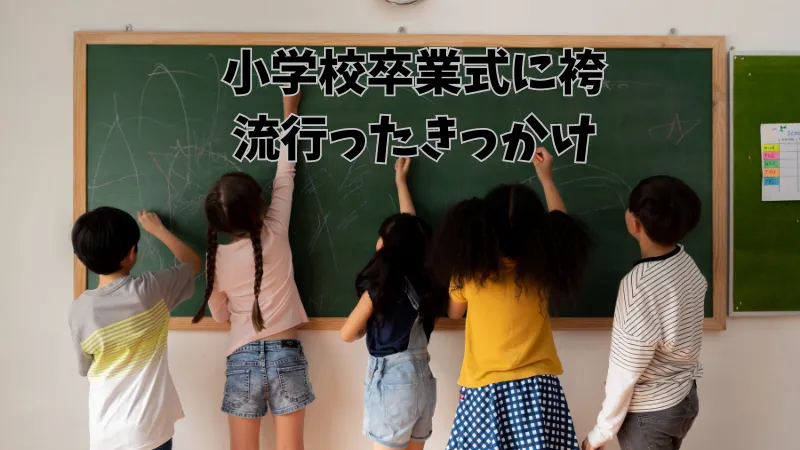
(771,181)
(772,172)
(771,148)
(770,163)
(771,155)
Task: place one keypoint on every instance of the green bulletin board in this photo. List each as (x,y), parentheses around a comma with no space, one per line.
(765,250)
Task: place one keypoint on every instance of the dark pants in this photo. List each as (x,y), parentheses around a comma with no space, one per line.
(166,446)
(659,430)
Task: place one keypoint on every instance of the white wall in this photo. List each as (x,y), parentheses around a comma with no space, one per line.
(750,393)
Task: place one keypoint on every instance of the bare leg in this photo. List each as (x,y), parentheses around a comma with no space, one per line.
(376,446)
(416,445)
(289,431)
(244,433)
(413,445)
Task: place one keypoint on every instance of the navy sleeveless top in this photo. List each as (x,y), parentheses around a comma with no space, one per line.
(392,334)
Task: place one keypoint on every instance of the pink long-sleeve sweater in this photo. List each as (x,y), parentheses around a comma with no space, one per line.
(232,297)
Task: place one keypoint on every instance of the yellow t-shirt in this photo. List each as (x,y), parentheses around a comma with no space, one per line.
(508,337)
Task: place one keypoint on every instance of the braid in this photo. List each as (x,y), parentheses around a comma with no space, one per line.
(258,319)
(211,260)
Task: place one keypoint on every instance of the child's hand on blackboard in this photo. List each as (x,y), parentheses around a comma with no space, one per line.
(150,222)
(401,169)
(543,163)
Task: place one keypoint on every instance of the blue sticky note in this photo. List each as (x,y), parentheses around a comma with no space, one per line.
(771,181)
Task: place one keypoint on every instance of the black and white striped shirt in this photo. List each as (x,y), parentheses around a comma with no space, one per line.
(656,341)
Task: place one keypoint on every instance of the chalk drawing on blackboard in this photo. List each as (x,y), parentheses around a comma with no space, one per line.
(350,218)
(630,84)
(353,185)
(323,223)
(678,129)
(161,69)
(614,182)
(147,249)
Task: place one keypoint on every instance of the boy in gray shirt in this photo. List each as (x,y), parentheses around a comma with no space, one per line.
(120,330)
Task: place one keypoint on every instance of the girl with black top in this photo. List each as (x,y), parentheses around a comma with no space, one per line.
(397,310)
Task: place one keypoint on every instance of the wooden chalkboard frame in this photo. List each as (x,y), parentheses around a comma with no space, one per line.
(719,140)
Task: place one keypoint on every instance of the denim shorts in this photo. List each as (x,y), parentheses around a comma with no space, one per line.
(399,399)
(267,372)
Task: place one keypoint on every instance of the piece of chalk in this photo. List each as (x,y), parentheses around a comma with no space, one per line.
(539,157)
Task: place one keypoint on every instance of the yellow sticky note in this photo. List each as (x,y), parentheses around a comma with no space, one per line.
(771,147)
(772,172)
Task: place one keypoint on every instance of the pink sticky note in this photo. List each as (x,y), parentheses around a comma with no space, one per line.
(772,155)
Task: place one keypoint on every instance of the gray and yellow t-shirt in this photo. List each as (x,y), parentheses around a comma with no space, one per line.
(120,334)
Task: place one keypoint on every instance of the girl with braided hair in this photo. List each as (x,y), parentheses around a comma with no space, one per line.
(250,282)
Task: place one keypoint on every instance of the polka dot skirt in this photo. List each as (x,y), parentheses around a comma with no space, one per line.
(529,414)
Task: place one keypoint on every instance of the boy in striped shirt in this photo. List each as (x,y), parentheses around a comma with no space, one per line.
(651,394)
(120,330)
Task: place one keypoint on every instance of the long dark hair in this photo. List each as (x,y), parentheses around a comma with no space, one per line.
(406,242)
(549,250)
(235,205)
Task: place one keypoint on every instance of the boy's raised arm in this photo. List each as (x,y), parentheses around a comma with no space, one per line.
(183,253)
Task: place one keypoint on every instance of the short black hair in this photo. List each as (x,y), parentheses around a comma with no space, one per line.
(667,208)
(102,238)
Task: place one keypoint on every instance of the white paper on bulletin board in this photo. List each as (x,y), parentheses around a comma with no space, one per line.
(780,162)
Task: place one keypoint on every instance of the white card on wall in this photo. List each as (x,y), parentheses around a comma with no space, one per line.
(780,162)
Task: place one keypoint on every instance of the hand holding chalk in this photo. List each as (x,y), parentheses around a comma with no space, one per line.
(543,162)
(150,222)
(401,169)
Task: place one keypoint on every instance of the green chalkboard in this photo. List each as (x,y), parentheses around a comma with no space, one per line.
(766,235)
(158,133)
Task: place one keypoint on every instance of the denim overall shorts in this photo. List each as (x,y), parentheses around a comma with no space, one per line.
(400,391)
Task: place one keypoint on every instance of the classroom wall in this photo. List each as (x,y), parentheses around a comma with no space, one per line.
(749,397)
